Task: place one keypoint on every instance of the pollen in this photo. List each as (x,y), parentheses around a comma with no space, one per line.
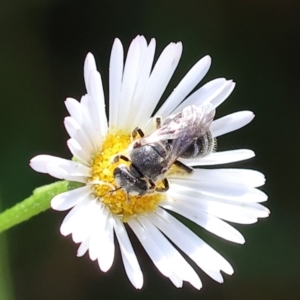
(105,188)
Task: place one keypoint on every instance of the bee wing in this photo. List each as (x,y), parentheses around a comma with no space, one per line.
(195,121)
(170,130)
(183,128)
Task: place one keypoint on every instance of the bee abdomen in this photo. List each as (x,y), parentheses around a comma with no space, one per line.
(203,146)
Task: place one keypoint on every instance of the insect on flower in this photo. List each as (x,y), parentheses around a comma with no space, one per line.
(185,134)
(132,178)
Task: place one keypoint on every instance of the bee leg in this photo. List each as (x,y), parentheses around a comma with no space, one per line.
(118,157)
(152,187)
(127,198)
(158,122)
(137,131)
(113,191)
(166,186)
(183,167)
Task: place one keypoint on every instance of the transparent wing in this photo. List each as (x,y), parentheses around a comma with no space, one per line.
(183,128)
(196,121)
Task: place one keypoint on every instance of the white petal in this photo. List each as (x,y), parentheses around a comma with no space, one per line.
(78,152)
(76,131)
(83,248)
(91,123)
(231,122)
(192,245)
(135,277)
(106,246)
(110,244)
(186,85)
(151,248)
(210,223)
(234,192)
(176,280)
(39,162)
(85,225)
(76,127)
(95,90)
(115,82)
(71,171)
(159,78)
(141,84)
(83,222)
(130,78)
(69,199)
(246,177)
(74,109)
(68,171)
(60,168)
(222,157)
(204,256)
(97,238)
(204,94)
(131,264)
(215,275)
(224,94)
(180,267)
(233,211)
(74,216)
(89,67)
(143,50)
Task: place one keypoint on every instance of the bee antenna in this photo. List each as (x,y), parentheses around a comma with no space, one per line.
(113,191)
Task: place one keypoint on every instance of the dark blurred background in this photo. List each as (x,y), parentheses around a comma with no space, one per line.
(43,44)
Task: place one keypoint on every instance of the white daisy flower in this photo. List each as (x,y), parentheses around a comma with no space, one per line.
(99,208)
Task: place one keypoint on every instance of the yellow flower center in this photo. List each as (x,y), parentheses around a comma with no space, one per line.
(118,201)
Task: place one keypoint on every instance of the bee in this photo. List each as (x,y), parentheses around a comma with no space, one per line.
(185,134)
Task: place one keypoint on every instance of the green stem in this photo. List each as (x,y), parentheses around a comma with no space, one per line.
(33,205)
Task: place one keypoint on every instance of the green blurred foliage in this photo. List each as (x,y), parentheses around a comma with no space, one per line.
(42,48)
